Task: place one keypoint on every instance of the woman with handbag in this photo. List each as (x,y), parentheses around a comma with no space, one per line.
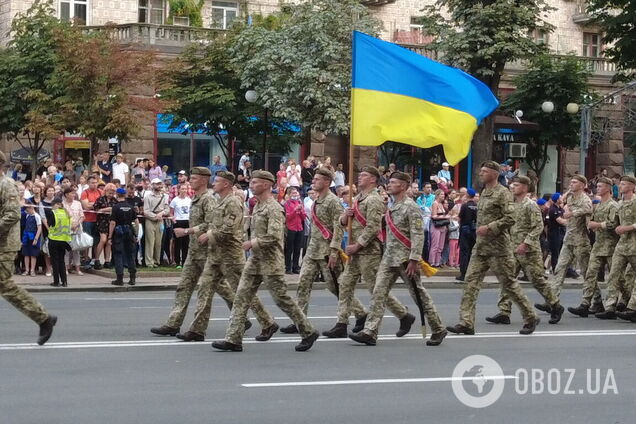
(104,206)
(75,210)
(440,221)
(59,239)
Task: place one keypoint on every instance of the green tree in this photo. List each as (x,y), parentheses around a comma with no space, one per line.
(481,37)
(28,112)
(617,18)
(190,9)
(561,81)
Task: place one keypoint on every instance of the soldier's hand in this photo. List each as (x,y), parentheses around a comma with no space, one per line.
(203,238)
(482,230)
(333,261)
(522,249)
(179,232)
(593,225)
(412,268)
(348,212)
(622,229)
(247,245)
(567,214)
(352,249)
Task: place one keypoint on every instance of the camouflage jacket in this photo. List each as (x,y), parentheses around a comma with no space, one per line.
(9,216)
(328,210)
(496,210)
(202,205)
(605,213)
(528,225)
(225,231)
(627,215)
(372,209)
(576,228)
(407,218)
(268,239)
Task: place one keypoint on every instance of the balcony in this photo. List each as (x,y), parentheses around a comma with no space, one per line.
(580,15)
(377,2)
(598,66)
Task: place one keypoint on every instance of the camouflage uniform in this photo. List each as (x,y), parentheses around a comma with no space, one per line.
(527,229)
(267,264)
(202,207)
(9,245)
(493,251)
(328,210)
(226,259)
(407,218)
(605,213)
(576,243)
(624,254)
(364,264)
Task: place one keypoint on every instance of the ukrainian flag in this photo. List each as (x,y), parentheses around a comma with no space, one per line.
(398,95)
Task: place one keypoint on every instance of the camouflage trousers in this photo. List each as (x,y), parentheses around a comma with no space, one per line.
(503,267)
(363,267)
(569,253)
(387,275)
(630,277)
(532,265)
(616,283)
(215,279)
(591,289)
(192,270)
(309,272)
(21,299)
(245,296)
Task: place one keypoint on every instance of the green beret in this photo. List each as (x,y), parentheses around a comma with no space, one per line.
(491,164)
(605,180)
(399,175)
(201,170)
(264,175)
(629,179)
(227,175)
(371,170)
(522,180)
(580,178)
(325,172)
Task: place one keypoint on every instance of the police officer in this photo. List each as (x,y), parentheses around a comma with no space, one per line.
(9,246)
(123,235)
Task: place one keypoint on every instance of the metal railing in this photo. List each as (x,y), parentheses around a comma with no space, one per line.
(596,65)
(157,35)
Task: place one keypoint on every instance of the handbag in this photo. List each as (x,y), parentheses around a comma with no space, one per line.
(80,241)
(441,222)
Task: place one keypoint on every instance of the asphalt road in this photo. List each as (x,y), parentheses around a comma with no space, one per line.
(103,366)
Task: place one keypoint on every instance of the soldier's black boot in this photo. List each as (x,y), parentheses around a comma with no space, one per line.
(556,312)
(543,307)
(46,329)
(133,279)
(461,329)
(339,331)
(437,338)
(306,343)
(597,307)
(190,336)
(499,319)
(582,310)
(290,329)
(627,314)
(406,323)
(164,330)
(248,324)
(119,281)
(530,326)
(231,347)
(360,322)
(363,338)
(267,333)
(620,307)
(606,314)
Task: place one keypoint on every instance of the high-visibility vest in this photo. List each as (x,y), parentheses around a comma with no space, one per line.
(61,231)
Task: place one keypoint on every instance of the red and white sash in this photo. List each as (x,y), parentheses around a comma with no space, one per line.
(363,221)
(326,234)
(396,231)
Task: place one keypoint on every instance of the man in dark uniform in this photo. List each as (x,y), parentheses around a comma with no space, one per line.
(467,228)
(124,237)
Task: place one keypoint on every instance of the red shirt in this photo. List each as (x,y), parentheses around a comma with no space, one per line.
(294,214)
(91,196)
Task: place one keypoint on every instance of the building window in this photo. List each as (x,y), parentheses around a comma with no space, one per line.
(74,10)
(151,11)
(223,13)
(591,44)
(540,36)
(181,20)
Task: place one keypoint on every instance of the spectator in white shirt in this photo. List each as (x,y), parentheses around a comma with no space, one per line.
(445,172)
(180,212)
(120,170)
(293,174)
(339,179)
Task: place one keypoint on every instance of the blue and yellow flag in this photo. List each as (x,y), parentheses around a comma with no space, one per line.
(398,95)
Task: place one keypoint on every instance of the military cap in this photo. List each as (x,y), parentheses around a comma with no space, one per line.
(371,170)
(201,170)
(605,180)
(401,176)
(227,175)
(3,158)
(471,193)
(522,180)
(629,179)
(491,164)
(326,172)
(580,178)
(121,191)
(556,196)
(541,202)
(264,175)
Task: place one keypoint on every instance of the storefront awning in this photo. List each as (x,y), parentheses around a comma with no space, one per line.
(503,121)
(25,156)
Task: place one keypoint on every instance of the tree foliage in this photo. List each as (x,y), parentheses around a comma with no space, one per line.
(561,81)
(186,8)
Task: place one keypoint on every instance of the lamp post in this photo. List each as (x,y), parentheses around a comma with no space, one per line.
(251,96)
(572,109)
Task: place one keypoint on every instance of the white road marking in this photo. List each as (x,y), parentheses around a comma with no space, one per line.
(287,318)
(376,381)
(287,339)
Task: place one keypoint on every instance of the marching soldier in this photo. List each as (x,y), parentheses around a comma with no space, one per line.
(10,243)
(493,250)
(323,252)
(401,258)
(365,253)
(202,205)
(525,233)
(225,259)
(266,264)
(124,238)
(603,222)
(624,253)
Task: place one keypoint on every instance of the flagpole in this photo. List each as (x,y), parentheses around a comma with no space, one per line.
(353,73)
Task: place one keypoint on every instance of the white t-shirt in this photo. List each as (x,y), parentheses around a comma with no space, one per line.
(339,178)
(293,179)
(181,208)
(119,171)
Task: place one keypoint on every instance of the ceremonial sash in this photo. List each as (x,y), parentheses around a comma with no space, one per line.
(326,234)
(396,231)
(363,221)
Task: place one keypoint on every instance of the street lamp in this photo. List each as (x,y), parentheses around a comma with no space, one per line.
(547,107)
(251,96)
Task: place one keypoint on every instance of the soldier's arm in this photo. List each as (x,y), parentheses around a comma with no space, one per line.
(275,230)
(507,217)
(232,222)
(416,230)
(10,209)
(336,210)
(612,218)
(581,208)
(536,223)
(375,209)
(206,207)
